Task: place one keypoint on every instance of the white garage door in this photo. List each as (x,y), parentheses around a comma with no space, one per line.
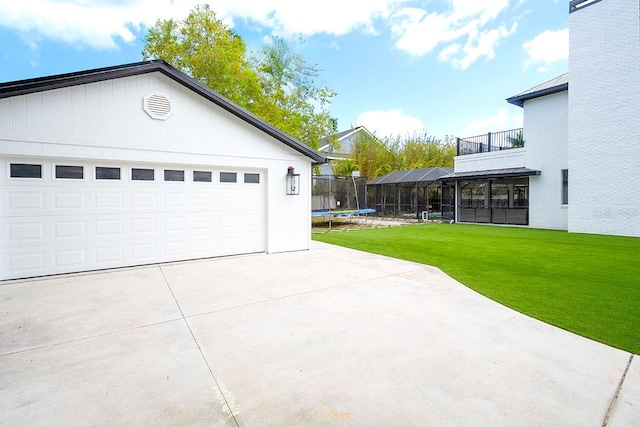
(63,216)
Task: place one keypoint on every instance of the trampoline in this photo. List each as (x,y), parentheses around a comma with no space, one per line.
(347,212)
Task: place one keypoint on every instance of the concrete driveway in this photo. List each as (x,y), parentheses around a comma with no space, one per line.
(327,337)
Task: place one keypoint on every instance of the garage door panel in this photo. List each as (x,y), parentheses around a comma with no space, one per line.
(73,259)
(174,225)
(28,262)
(108,228)
(69,229)
(228,199)
(175,250)
(143,253)
(25,232)
(20,203)
(143,201)
(69,202)
(109,201)
(176,200)
(228,221)
(203,223)
(109,255)
(202,200)
(203,246)
(50,226)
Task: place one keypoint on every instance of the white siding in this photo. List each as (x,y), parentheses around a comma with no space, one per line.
(604,118)
(545,134)
(106,121)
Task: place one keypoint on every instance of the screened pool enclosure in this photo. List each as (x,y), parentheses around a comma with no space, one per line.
(415,193)
(499,196)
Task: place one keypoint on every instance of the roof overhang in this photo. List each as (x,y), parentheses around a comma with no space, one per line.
(555,85)
(42,84)
(489,174)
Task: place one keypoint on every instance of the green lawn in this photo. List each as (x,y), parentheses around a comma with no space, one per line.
(587,284)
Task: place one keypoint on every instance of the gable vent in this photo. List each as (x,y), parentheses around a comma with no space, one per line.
(157,105)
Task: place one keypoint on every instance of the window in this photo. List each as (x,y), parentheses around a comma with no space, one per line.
(252,178)
(69,172)
(142,174)
(23,170)
(228,177)
(565,186)
(173,175)
(107,173)
(201,176)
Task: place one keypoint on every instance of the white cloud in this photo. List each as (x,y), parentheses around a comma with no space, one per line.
(419,32)
(546,48)
(104,24)
(98,24)
(501,120)
(335,17)
(390,123)
(481,44)
(462,31)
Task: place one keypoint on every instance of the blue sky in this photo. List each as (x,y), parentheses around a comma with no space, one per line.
(397,66)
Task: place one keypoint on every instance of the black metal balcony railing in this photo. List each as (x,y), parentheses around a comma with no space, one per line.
(497,141)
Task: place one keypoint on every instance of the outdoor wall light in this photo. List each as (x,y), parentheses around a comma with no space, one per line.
(293,182)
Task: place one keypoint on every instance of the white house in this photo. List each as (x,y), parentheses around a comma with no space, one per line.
(346,139)
(579,163)
(138,164)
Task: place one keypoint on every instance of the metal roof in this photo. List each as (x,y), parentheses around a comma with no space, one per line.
(413,175)
(558,84)
(40,84)
(487,174)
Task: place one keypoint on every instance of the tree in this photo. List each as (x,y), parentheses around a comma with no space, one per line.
(345,167)
(278,85)
(296,100)
(371,155)
(376,157)
(205,48)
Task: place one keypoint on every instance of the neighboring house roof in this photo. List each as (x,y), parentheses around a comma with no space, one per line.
(23,87)
(558,84)
(325,147)
(487,174)
(413,175)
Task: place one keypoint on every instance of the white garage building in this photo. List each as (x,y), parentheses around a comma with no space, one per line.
(139,164)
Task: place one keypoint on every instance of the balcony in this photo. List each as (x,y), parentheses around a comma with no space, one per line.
(498,141)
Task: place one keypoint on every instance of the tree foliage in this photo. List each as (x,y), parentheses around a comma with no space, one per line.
(205,48)
(377,157)
(296,101)
(516,141)
(278,85)
(344,167)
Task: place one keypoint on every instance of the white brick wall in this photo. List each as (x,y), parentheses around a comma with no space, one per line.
(545,134)
(604,119)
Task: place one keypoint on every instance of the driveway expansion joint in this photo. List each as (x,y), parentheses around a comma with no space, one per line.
(288,296)
(119,331)
(184,319)
(607,417)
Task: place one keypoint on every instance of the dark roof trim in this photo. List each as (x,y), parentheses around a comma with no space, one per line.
(23,87)
(558,84)
(576,5)
(489,174)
